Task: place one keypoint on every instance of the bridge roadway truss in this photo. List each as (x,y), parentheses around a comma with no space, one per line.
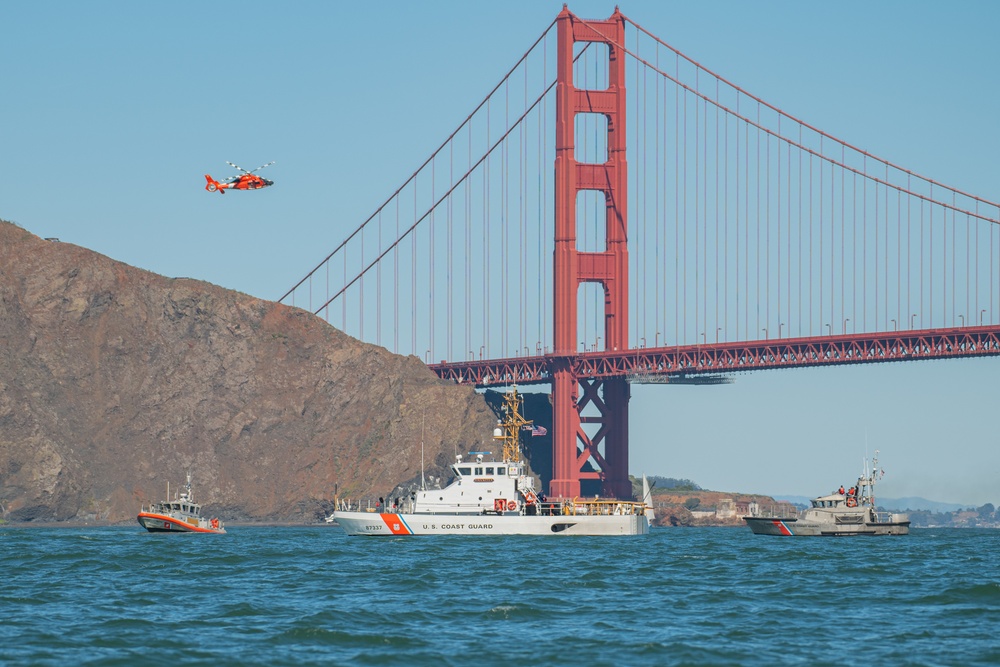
(676,364)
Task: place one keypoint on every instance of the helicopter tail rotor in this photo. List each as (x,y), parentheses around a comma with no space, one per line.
(212,185)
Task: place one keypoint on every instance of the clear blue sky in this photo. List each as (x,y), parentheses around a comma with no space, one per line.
(113,111)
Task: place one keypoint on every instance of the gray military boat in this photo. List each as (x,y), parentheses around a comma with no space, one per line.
(850,513)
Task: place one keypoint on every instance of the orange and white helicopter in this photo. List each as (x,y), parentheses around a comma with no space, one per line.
(248,180)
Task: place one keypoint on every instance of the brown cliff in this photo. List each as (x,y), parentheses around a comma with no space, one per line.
(114,381)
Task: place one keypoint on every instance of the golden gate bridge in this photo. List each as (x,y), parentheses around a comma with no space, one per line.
(613,212)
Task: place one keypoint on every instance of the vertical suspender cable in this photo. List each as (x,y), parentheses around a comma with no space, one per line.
(395,288)
(700,230)
(819,209)
(757,295)
(487,240)
(677,199)
(449,320)
(725,224)
(413,279)
(777,207)
(361,294)
(431,241)
(717,213)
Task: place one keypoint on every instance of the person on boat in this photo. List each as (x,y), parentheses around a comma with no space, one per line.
(841,492)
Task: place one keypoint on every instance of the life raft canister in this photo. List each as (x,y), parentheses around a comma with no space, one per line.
(499,504)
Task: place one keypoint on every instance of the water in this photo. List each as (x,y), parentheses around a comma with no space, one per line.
(277,596)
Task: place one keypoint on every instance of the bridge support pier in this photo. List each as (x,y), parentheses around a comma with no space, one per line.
(616,397)
(565,425)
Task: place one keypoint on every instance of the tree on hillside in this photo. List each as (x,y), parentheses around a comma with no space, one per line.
(673,483)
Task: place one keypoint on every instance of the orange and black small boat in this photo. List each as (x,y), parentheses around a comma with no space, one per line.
(180,515)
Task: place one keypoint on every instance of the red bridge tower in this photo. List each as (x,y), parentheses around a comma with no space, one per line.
(572,446)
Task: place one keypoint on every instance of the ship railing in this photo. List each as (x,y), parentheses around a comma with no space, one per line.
(603,507)
(372,505)
(575,506)
(774,512)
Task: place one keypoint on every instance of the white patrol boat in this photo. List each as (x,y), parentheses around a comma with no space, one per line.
(497,497)
(851,513)
(180,515)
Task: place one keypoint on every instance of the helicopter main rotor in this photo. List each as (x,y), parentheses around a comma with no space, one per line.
(244,170)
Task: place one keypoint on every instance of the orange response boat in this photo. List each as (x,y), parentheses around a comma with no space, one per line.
(180,515)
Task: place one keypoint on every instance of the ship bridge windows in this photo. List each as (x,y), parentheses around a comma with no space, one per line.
(501,470)
(479,470)
(490,470)
(464,471)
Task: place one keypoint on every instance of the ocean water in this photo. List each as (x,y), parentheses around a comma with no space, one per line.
(313,596)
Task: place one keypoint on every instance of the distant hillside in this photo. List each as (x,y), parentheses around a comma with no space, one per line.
(802,501)
(115,381)
(913,503)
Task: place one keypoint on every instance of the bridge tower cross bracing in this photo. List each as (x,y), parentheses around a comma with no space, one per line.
(572,446)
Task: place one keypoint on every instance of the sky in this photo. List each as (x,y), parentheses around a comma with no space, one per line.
(112,112)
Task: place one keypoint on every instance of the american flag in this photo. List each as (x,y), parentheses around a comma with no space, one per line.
(539,430)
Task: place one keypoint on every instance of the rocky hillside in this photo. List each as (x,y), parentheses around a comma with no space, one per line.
(115,381)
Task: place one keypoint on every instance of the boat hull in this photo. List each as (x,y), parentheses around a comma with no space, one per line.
(390,524)
(162,523)
(793,527)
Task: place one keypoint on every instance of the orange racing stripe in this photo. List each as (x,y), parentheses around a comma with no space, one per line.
(395,524)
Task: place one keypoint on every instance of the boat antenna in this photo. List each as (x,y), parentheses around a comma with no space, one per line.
(866,450)
(422,487)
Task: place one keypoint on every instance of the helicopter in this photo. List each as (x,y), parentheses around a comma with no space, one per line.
(245,181)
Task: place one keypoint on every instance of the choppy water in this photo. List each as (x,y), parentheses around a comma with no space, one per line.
(274,596)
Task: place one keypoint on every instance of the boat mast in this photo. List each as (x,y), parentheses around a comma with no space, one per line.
(508,431)
(871,479)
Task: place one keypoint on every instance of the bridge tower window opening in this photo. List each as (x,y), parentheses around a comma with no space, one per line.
(591,138)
